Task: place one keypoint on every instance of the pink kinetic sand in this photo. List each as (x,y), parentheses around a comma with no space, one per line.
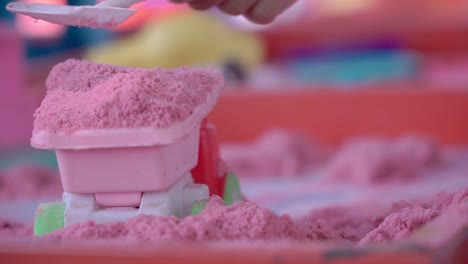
(406,217)
(243,220)
(83,95)
(445,227)
(277,152)
(29,182)
(370,161)
(248,221)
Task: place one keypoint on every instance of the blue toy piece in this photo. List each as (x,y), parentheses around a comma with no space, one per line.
(353,68)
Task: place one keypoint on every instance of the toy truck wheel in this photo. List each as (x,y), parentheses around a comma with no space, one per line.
(232,192)
(49,217)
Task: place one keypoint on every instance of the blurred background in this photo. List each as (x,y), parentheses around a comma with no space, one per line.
(332,69)
(325,73)
(315,43)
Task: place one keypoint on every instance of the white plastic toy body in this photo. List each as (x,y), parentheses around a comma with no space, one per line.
(177,201)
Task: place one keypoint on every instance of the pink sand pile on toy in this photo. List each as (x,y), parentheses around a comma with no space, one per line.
(126,139)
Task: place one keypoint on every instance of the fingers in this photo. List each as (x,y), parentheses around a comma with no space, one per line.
(233,7)
(264,12)
(202,5)
(179,1)
(257,11)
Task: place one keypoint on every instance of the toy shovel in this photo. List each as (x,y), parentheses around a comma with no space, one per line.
(107,14)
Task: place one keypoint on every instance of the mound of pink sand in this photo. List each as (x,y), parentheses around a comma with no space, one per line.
(343,223)
(277,152)
(243,220)
(86,95)
(367,161)
(406,217)
(447,226)
(29,182)
(248,221)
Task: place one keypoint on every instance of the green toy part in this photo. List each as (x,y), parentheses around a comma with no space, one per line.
(232,192)
(49,217)
(198,206)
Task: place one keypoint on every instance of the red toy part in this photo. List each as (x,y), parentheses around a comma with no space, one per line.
(210,169)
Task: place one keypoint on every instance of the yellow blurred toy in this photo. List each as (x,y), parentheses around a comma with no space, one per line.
(189,38)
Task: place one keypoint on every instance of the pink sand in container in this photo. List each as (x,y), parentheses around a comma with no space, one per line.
(277,152)
(369,161)
(29,182)
(84,95)
(246,221)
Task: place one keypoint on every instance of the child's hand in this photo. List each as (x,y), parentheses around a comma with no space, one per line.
(258,11)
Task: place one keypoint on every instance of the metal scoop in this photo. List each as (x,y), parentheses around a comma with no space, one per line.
(107,14)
